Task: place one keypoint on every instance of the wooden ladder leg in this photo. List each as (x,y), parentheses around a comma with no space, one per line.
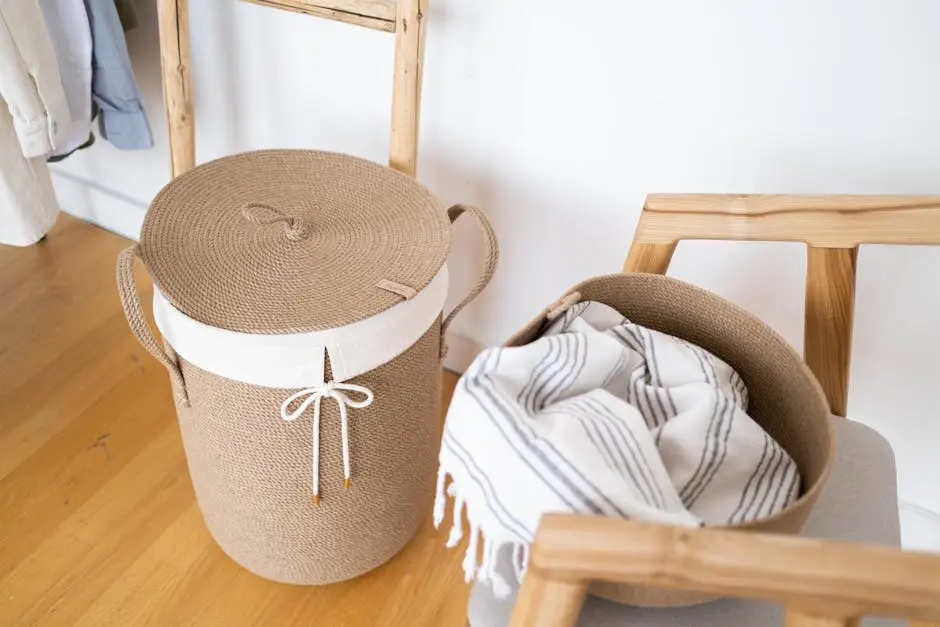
(406,90)
(830,303)
(173,20)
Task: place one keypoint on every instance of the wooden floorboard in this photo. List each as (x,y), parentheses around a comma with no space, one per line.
(98,523)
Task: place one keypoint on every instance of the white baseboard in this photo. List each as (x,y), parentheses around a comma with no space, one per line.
(99,205)
(920,527)
(461,351)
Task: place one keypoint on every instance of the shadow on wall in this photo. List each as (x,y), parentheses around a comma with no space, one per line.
(226,80)
(526,218)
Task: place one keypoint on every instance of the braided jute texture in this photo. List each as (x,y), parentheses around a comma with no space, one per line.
(251,470)
(287,241)
(786,400)
(489,263)
(130,301)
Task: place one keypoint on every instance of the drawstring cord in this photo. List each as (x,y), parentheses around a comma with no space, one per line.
(314,396)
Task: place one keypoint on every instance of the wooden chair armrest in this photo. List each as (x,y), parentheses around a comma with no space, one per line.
(835,221)
(822,582)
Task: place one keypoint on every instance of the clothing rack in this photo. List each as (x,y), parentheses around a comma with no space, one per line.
(404,18)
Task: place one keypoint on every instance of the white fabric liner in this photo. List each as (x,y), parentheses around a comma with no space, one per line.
(297,360)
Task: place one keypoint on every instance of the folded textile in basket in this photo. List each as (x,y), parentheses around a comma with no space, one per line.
(601,416)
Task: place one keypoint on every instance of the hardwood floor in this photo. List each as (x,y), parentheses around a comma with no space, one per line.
(98,524)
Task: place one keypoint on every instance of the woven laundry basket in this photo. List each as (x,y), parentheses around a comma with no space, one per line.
(786,400)
(299,296)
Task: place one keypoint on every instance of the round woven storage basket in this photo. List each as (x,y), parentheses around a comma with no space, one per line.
(786,400)
(299,294)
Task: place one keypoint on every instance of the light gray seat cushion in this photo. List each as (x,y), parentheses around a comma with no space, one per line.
(859,504)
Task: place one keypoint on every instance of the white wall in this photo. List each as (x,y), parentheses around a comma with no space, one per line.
(558,118)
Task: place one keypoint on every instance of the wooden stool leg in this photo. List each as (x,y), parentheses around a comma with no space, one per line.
(799,619)
(651,258)
(830,302)
(173,19)
(546,602)
(406,94)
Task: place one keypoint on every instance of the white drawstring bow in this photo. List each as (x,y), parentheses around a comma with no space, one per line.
(314,395)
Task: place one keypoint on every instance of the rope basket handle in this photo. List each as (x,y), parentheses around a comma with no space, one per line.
(130,301)
(489,264)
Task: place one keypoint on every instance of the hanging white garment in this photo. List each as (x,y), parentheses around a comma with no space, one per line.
(29,78)
(36,109)
(28,206)
(67,23)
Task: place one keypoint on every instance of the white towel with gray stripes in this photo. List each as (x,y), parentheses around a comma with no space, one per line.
(601,416)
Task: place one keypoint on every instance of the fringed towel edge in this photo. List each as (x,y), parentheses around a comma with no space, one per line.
(474,567)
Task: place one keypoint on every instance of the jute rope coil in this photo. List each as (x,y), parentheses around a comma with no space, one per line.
(295,229)
(290,241)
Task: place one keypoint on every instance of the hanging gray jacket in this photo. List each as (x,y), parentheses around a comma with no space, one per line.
(122,120)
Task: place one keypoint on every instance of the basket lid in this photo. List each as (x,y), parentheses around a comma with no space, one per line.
(286,241)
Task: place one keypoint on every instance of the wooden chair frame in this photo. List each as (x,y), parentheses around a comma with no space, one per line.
(822,583)
(832,227)
(404,18)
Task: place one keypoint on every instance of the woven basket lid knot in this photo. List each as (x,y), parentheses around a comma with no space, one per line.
(259,213)
(287,241)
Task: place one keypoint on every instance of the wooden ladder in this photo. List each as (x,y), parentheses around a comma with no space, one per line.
(405,18)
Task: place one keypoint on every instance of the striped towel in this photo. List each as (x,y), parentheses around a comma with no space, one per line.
(601,416)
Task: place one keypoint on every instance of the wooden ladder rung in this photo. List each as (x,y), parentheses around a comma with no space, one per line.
(375,14)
